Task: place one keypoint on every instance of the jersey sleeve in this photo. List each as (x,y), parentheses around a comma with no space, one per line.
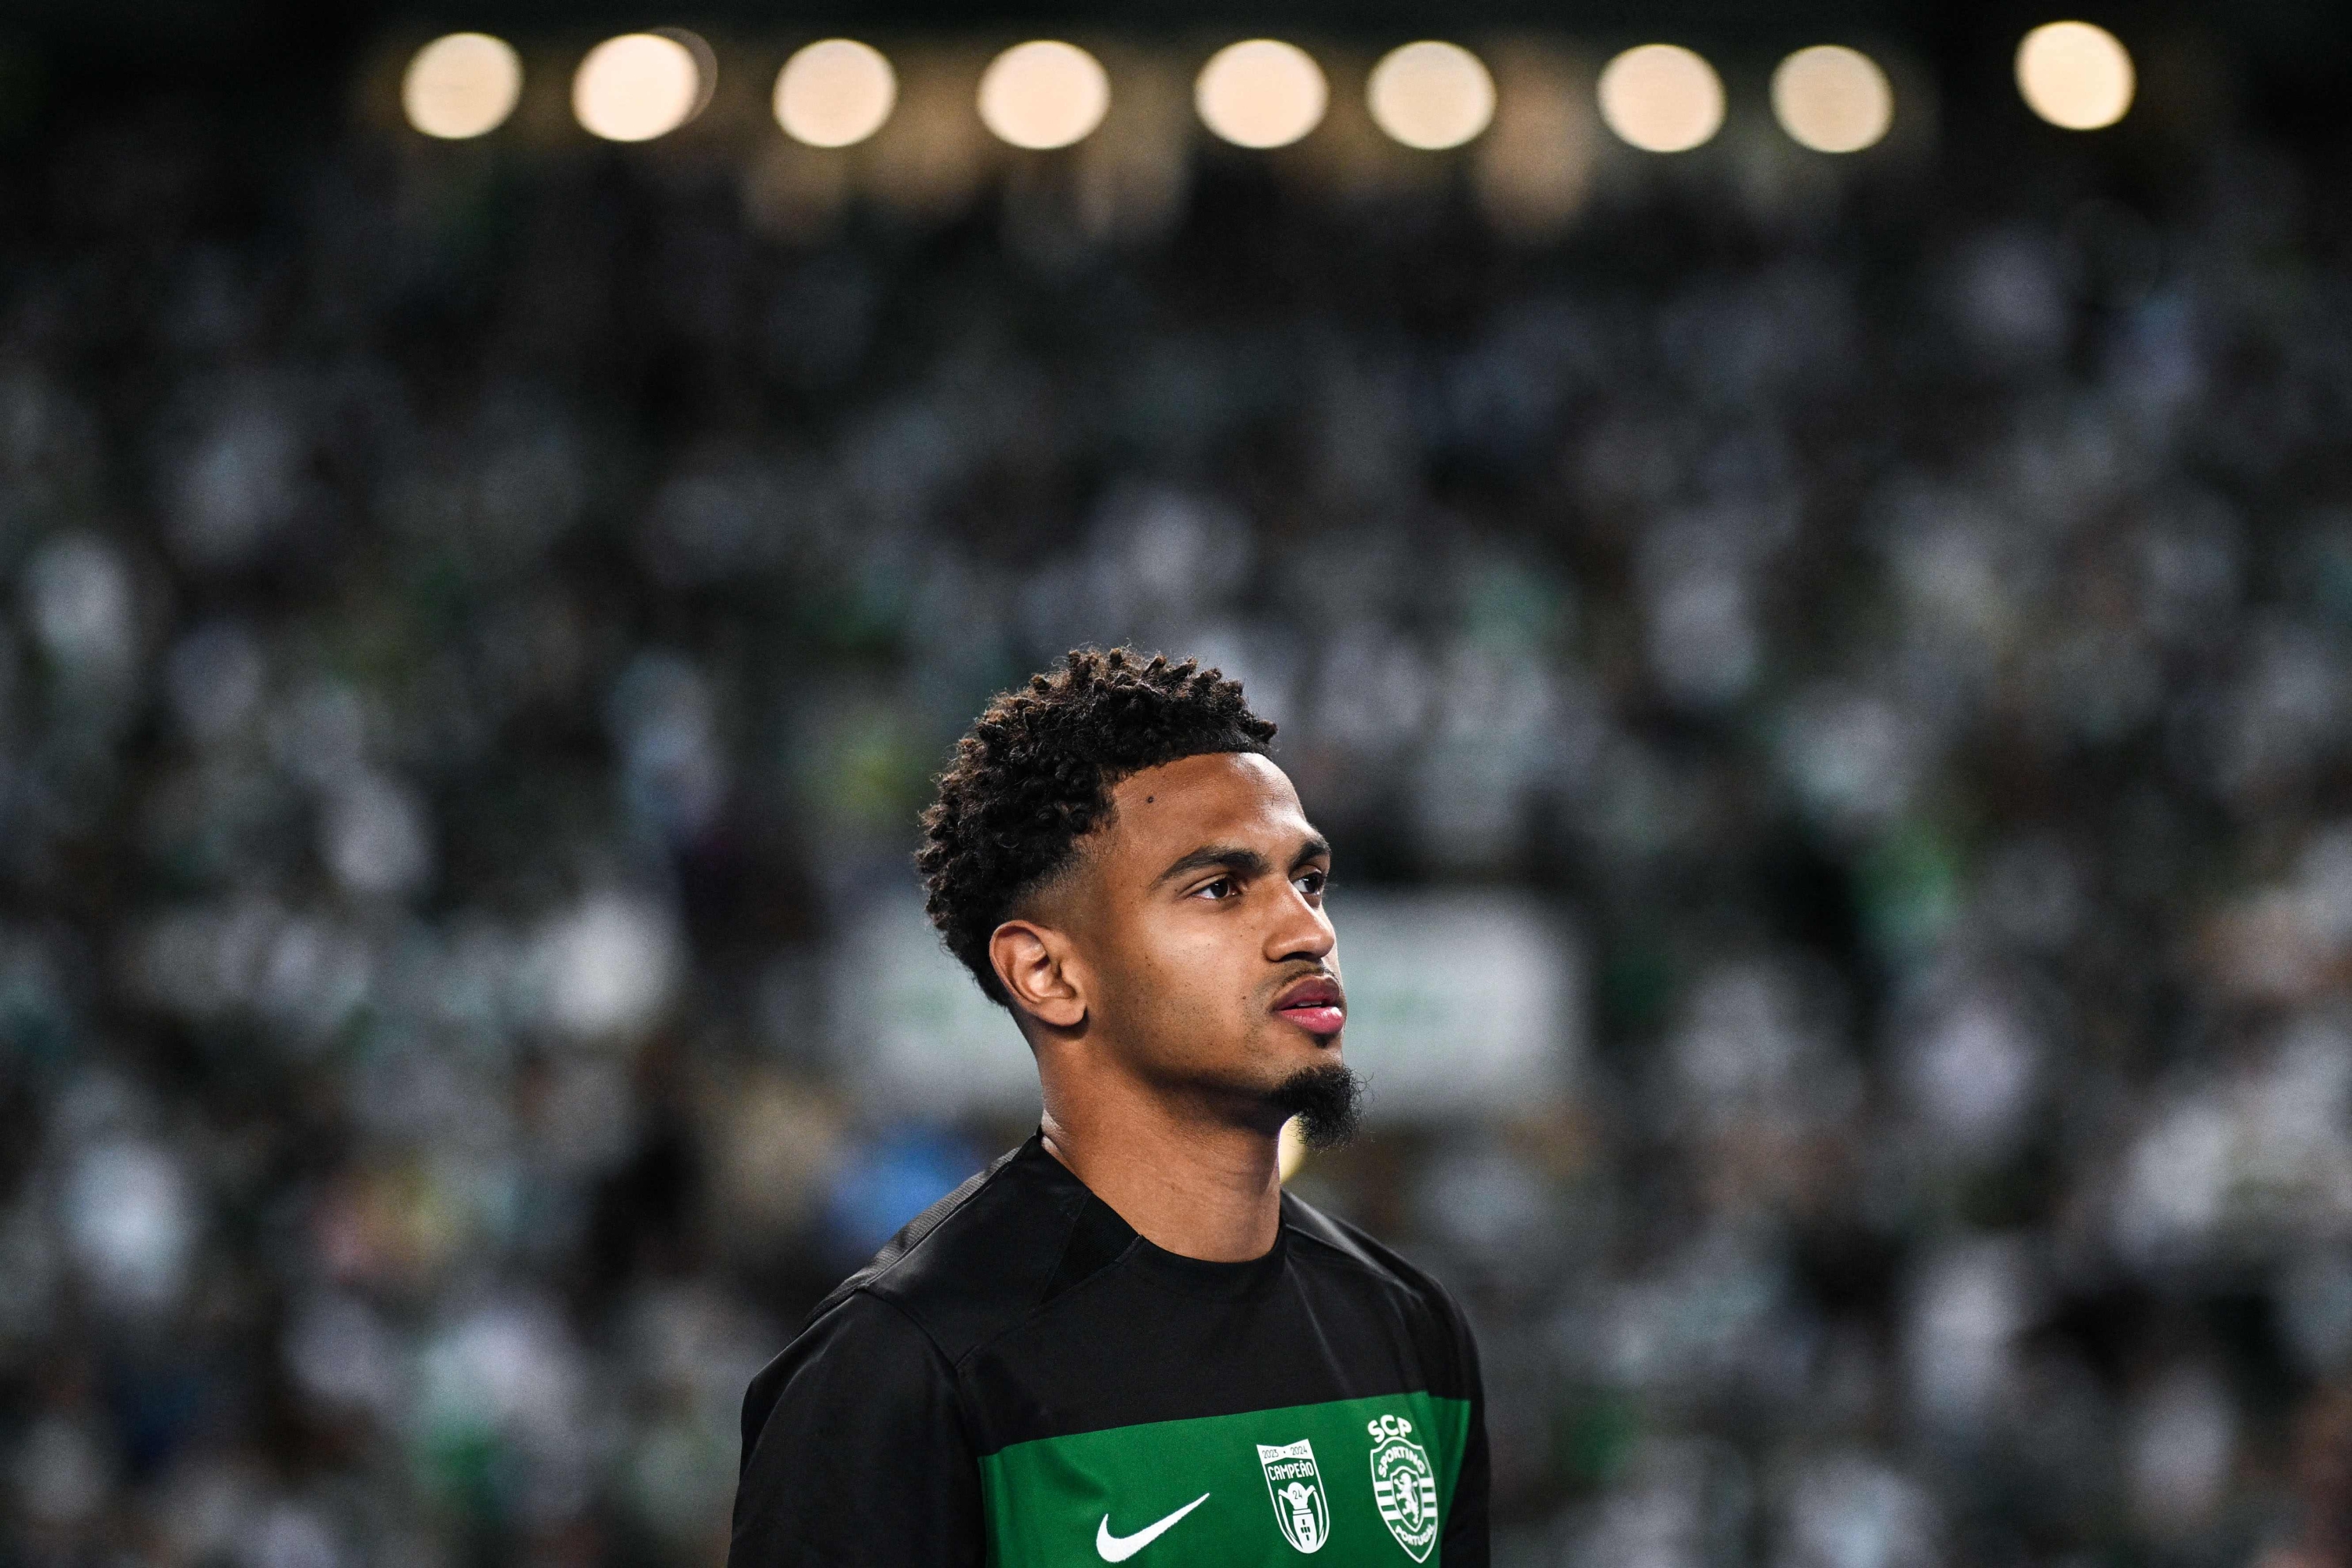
(855,1452)
(1466,1528)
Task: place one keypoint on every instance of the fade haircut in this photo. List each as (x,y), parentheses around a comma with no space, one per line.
(1033,775)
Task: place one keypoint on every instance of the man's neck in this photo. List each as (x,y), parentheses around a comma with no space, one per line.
(1192,1185)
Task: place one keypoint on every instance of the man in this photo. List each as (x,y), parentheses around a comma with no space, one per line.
(1123,1340)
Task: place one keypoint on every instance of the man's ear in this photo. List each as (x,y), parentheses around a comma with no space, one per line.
(1034,964)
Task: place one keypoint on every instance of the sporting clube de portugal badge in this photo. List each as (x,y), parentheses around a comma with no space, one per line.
(1403,1485)
(1292,1481)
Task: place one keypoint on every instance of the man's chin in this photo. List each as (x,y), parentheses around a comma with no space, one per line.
(1328,1100)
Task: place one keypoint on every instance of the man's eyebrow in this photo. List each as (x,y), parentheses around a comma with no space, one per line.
(1237,858)
(1242,861)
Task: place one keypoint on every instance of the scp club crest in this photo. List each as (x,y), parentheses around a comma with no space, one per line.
(1296,1488)
(1404,1485)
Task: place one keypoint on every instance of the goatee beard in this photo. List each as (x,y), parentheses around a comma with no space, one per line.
(1327,1099)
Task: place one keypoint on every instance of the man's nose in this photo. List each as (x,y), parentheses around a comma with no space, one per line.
(1301,930)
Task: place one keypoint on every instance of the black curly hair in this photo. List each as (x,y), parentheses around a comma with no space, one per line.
(1033,777)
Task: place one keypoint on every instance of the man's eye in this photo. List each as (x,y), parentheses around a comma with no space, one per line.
(1312,883)
(1219,891)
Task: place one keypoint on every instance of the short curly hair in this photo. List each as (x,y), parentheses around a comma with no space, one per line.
(1033,775)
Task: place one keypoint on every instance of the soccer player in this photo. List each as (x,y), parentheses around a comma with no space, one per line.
(1123,1341)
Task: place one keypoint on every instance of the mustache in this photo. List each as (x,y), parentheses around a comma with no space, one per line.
(1296,973)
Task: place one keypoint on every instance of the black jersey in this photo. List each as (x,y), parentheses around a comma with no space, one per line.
(1021,1380)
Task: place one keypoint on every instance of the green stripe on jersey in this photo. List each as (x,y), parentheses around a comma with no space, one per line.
(1353,1483)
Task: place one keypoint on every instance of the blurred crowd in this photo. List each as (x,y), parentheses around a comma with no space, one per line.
(471,630)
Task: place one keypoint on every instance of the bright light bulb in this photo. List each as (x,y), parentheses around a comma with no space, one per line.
(834,92)
(2075,75)
(1662,98)
(636,86)
(460,86)
(1044,94)
(1430,95)
(1832,98)
(1261,92)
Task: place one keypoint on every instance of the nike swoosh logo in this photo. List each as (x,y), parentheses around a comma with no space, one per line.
(1120,1548)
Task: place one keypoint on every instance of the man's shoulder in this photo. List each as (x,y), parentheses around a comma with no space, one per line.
(1329,1242)
(1424,1308)
(978,1260)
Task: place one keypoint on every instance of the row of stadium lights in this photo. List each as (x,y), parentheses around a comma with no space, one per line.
(1260,94)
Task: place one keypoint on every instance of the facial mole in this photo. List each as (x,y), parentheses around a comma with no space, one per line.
(1150,798)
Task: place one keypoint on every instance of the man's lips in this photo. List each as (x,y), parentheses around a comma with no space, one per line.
(1317,1006)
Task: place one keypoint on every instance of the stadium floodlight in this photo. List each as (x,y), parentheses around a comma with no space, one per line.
(1431,95)
(1662,98)
(461,86)
(1044,94)
(835,93)
(2074,75)
(637,87)
(1832,98)
(1261,92)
